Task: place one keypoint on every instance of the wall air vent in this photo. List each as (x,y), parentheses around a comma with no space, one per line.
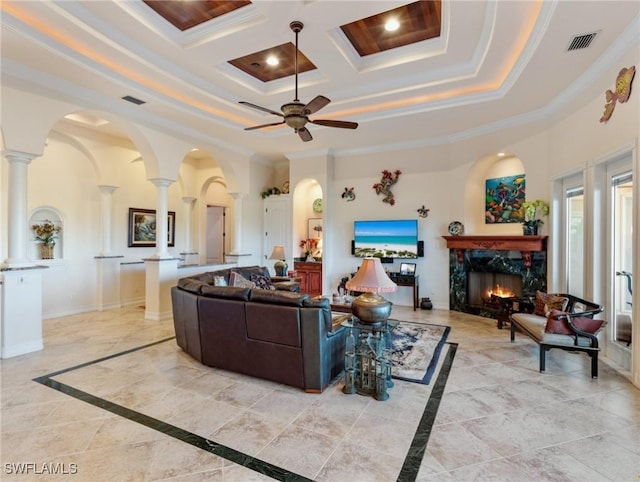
(581,41)
(133,100)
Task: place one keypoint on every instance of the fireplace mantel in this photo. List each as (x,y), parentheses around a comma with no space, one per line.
(498,243)
(525,244)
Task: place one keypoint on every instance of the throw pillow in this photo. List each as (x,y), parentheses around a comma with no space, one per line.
(219,281)
(560,327)
(588,324)
(582,323)
(239,281)
(546,302)
(263,282)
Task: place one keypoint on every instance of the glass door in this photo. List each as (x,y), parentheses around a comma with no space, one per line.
(621,186)
(574,236)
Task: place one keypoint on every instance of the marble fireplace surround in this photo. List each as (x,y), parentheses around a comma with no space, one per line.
(525,256)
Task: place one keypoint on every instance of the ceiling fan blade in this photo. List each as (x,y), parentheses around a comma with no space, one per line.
(335,123)
(263,125)
(316,104)
(304,134)
(264,109)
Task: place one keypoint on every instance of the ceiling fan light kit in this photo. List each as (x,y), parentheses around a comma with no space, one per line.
(296,114)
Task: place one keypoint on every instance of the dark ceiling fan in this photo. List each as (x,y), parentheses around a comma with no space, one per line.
(296,114)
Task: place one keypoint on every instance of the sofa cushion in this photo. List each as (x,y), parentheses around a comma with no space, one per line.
(287,298)
(206,278)
(546,302)
(247,271)
(262,282)
(239,281)
(191,284)
(230,292)
(317,302)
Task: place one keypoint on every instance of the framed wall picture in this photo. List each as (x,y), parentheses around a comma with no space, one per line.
(503,197)
(314,228)
(142,227)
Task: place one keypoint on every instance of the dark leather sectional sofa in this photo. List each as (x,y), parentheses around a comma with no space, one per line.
(278,335)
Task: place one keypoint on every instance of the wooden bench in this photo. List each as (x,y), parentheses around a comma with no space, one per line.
(534,326)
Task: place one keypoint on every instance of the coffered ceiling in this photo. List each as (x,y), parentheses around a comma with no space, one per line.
(452,71)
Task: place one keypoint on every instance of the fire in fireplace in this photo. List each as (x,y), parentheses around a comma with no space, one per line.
(484,288)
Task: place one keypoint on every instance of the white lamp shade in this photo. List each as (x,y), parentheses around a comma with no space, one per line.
(278,252)
(371,278)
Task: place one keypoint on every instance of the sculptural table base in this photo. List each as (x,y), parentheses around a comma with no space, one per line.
(367,359)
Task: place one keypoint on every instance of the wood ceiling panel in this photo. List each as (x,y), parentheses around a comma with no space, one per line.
(184,15)
(418,21)
(256,64)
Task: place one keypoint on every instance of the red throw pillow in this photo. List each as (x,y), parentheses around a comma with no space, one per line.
(588,324)
(582,323)
(559,327)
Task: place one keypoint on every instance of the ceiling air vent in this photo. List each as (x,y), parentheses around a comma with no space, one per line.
(133,100)
(581,41)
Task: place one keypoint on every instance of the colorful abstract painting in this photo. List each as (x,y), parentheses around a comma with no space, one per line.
(503,197)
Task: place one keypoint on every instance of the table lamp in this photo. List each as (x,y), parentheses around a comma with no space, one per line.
(281,265)
(372,279)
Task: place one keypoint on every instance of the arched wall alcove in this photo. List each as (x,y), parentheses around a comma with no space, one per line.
(489,167)
(306,207)
(213,202)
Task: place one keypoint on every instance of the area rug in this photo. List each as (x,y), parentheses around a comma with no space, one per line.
(416,348)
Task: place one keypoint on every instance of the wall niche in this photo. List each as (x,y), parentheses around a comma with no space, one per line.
(45,223)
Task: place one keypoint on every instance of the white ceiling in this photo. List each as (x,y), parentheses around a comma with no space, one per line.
(496,64)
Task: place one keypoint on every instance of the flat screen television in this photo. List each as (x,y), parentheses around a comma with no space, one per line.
(392,238)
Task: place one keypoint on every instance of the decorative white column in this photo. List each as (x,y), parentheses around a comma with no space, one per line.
(162,213)
(161,270)
(18,222)
(237,222)
(189,255)
(21,306)
(105,209)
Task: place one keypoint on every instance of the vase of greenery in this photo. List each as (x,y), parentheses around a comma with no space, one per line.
(46,232)
(532,213)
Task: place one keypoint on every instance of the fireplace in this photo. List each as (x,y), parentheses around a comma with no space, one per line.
(506,265)
(484,288)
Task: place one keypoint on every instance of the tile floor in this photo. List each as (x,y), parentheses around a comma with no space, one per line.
(159,413)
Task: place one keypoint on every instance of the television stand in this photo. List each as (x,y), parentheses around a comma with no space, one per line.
(412,281)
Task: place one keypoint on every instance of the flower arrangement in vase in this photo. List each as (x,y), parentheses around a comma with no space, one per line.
(309,248)
(46,232)
(532,213)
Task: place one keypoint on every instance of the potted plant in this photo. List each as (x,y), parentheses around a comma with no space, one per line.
(46,232)
(532,213)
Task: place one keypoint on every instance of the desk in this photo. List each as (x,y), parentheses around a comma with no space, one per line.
(412,281)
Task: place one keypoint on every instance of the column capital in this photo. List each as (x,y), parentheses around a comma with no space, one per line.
(188,199)
(238,195)
(18,156)
(106,188)
(160,182)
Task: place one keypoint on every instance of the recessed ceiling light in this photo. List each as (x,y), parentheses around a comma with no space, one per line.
(392,25)
(272,60)
(501,154)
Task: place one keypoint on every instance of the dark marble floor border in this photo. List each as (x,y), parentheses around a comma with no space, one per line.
(408,473)
(412,461)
